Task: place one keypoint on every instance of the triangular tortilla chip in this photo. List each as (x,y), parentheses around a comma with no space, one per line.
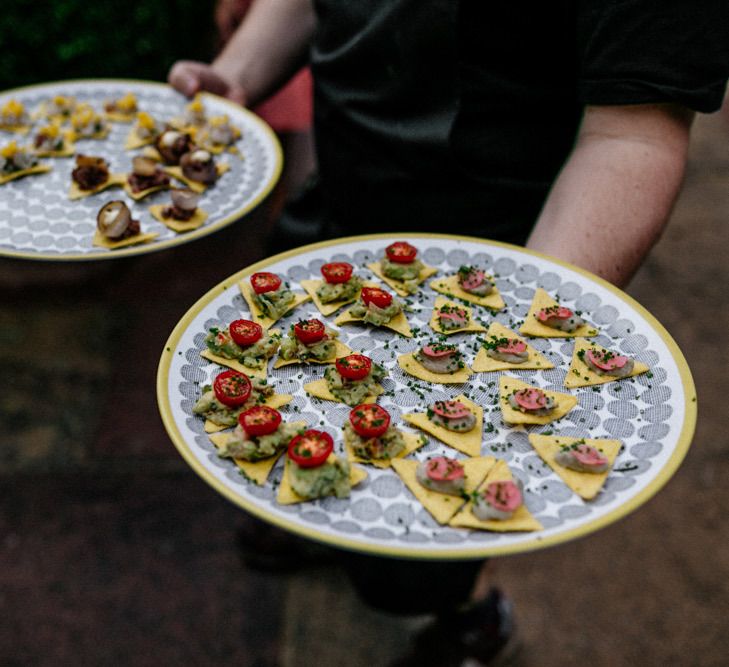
(319,389)
(310,287)
(275,401)
(16,129)
(397,285)
(96,136)
(413,442)
(443,506)
(533,327)
(485,364)
(581,375)
(341,350)
(585,484)
(287,496)
(195,186)
(435,323)
(399,323)
(450,287)
(507,385)
(197,220)
(101,241)
(38,169)
(136,196)
(236,365)
(521,521)
(256,471)
(468,442)
(68,149)
(134,141)
(256,314)
(413,367)
(114,181)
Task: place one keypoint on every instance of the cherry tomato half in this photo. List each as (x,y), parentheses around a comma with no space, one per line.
(354,366)
(259,420)
(337,272)
(245,332)
(310,331)
(265,282)
(401,252)
(311,448)
(369,420)
(376,296)
(232,388)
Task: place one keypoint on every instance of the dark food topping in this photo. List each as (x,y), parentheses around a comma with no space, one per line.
(198,165)
(90,172)
(173,146)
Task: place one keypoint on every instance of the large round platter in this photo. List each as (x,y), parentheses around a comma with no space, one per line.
(652,414)
(39,221)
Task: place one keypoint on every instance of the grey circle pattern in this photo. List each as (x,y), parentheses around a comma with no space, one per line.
(32,207)
(645,415)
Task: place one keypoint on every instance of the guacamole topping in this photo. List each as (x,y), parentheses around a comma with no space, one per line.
(373,314)
(240,445)
(275,304)
(347,291)
(409,273)
(353,392)
(386,446)
(329,479)
(211,408)
(293,348)
(219,342)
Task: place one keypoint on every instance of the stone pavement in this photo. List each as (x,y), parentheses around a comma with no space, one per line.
(112,552)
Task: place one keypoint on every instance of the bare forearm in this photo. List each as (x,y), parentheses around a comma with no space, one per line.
(270,45)
(616,191)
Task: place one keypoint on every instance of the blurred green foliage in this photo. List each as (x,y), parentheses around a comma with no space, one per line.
(69,39)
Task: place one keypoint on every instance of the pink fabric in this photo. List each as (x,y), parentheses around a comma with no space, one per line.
(291,108)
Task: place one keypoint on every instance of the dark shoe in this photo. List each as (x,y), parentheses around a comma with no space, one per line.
(480,636)
(265,547)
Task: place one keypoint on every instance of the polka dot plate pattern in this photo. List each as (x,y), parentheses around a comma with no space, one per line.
(652,414)
(39,221)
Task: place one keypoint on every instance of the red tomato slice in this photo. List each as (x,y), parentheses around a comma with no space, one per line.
(259,420)
(232,388)
(606,361)
(504,496)
(438,350)
(337,272)
(444,469)
(512,346)
(554,312)
(265,282)
(450,409)
(589,455)
(401,252)
(369,420)
(245,332)
(354,366)
(531,399)
(376,296)
(310,331)
(311,448)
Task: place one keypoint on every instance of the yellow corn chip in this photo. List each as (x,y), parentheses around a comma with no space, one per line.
(533,327)
(450,287)
(197,220)
(581,375)
(413,442)
(412,366)
(483,363)
(397,285)
(319,389)
(507,385)
(440,302)
(287,496)
(102,242)
(256,313)
(399,323)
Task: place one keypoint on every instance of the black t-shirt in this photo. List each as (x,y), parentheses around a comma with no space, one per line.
(439,115)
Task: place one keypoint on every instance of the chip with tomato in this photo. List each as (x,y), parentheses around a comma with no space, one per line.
(311,448)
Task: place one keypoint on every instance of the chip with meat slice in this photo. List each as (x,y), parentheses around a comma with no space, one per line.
(521,521)
(452,288)
(508,385)
(441,303)
(483,363)
(287,496)
(585,484)
(533,327)
(443,506)
(580,374)
(413,367)
(468,442)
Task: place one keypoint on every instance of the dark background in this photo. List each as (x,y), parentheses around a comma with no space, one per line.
(52,41)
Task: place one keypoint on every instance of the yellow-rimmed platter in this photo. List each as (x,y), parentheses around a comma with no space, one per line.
(39,221)
(653,415)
